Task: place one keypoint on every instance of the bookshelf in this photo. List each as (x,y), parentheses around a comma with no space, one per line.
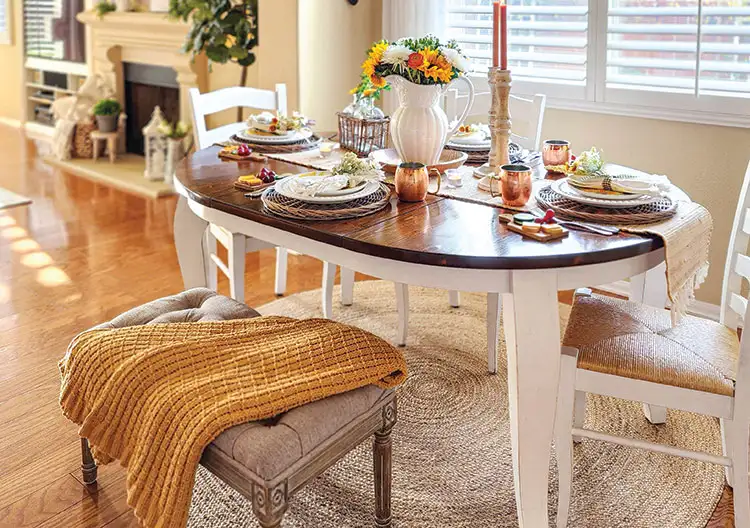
(45,81)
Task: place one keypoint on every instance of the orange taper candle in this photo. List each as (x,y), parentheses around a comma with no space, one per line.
(504,33)
(496,33)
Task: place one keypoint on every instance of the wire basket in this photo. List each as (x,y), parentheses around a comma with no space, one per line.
(362,136)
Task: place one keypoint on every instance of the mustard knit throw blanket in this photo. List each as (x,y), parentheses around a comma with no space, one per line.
(155,396)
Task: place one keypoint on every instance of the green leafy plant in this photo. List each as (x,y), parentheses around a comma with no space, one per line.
(225,30)
(365,89)
(104,7)
(107,107)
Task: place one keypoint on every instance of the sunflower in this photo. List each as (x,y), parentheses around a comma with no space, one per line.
(374,57)
(436,66)
(378,81)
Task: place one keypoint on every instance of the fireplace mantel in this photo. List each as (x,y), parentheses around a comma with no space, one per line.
(143,38)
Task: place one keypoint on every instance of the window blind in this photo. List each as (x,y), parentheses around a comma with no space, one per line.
(547,39)
(666,57)
(38,19)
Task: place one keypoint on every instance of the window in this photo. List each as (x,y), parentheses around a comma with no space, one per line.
(680,59)
(6,15)
(51,30)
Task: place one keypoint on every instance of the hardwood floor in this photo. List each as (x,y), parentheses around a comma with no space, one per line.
(79,255)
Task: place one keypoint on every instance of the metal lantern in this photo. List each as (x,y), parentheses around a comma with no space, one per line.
(154,147)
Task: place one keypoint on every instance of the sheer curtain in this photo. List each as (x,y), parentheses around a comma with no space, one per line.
(411,18)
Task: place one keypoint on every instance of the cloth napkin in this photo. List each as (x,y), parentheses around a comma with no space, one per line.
(651,185)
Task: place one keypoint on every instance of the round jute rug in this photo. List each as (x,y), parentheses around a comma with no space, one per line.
(451,446)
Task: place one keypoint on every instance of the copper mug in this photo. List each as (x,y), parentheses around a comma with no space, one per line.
(412,180)
(556,152)
(515,184)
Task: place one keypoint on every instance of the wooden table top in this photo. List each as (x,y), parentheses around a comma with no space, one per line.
(438,231)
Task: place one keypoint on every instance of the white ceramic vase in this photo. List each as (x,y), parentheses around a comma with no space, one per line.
(419,126)
(175,154)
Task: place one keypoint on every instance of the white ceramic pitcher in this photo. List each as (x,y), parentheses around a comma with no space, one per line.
(419,127)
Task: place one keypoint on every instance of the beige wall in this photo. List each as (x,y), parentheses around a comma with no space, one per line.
(708,162)
(334,37)
(11,62)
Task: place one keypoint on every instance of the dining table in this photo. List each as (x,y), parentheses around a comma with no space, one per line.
(441,243)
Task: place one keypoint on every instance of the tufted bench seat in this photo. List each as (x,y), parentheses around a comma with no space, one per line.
(268,461)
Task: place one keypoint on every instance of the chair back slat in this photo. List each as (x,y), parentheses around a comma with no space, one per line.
(527,113)
(226,98)
(736,268)
(738,304)
(742,267)
(746,223)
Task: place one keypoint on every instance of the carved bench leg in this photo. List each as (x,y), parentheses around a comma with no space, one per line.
(381,454)
(88,465)
(269,505)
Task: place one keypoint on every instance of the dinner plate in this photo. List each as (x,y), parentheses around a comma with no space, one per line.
(283,188)
(475,139)
(289,137)
(564,188)
(469,147)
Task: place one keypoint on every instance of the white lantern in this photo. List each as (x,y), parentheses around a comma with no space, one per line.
(154,147)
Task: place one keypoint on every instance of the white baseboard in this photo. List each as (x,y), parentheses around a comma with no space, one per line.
(38,131)
(7,121)
(697,308)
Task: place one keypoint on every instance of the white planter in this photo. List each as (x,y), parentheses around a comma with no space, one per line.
(419,126)
(175,154)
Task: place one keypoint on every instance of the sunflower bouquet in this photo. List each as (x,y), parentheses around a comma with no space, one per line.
(426,60)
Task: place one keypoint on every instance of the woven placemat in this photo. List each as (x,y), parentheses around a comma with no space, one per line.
(287,148)
(655,211)
(299,210)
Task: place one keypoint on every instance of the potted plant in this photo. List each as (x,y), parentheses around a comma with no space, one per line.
(106,112)
(227,31)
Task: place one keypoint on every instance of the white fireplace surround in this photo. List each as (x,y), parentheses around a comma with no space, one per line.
(142,38)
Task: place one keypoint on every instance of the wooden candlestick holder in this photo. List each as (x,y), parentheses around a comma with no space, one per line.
(499,118)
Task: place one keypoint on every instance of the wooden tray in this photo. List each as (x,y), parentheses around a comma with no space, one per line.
(507,219)
(390,160)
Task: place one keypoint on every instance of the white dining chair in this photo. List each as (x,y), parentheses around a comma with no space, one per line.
(237,244)
(526,114)
(631,351)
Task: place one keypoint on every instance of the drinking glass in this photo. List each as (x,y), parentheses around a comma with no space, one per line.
(556,152)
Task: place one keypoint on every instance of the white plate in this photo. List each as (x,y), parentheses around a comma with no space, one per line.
(562,187)
(478,147)
(283,188)
(475,139)
(290,137)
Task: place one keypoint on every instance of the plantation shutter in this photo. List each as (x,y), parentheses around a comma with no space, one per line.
(678,53)
(547,41)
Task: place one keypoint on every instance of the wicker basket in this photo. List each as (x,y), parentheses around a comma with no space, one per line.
(83,147)
(362,136)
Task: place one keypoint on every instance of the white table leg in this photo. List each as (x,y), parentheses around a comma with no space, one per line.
(454,298)
(282,256)
(650,288)
(188,239)
(402,305)
(532,336)
(347,286)
(493,321)
(329,278)
(212,270)
(236,264)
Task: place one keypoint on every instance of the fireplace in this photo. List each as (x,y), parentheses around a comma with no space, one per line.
(147,86)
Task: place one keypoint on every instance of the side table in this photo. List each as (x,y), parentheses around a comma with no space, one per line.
(111,142)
